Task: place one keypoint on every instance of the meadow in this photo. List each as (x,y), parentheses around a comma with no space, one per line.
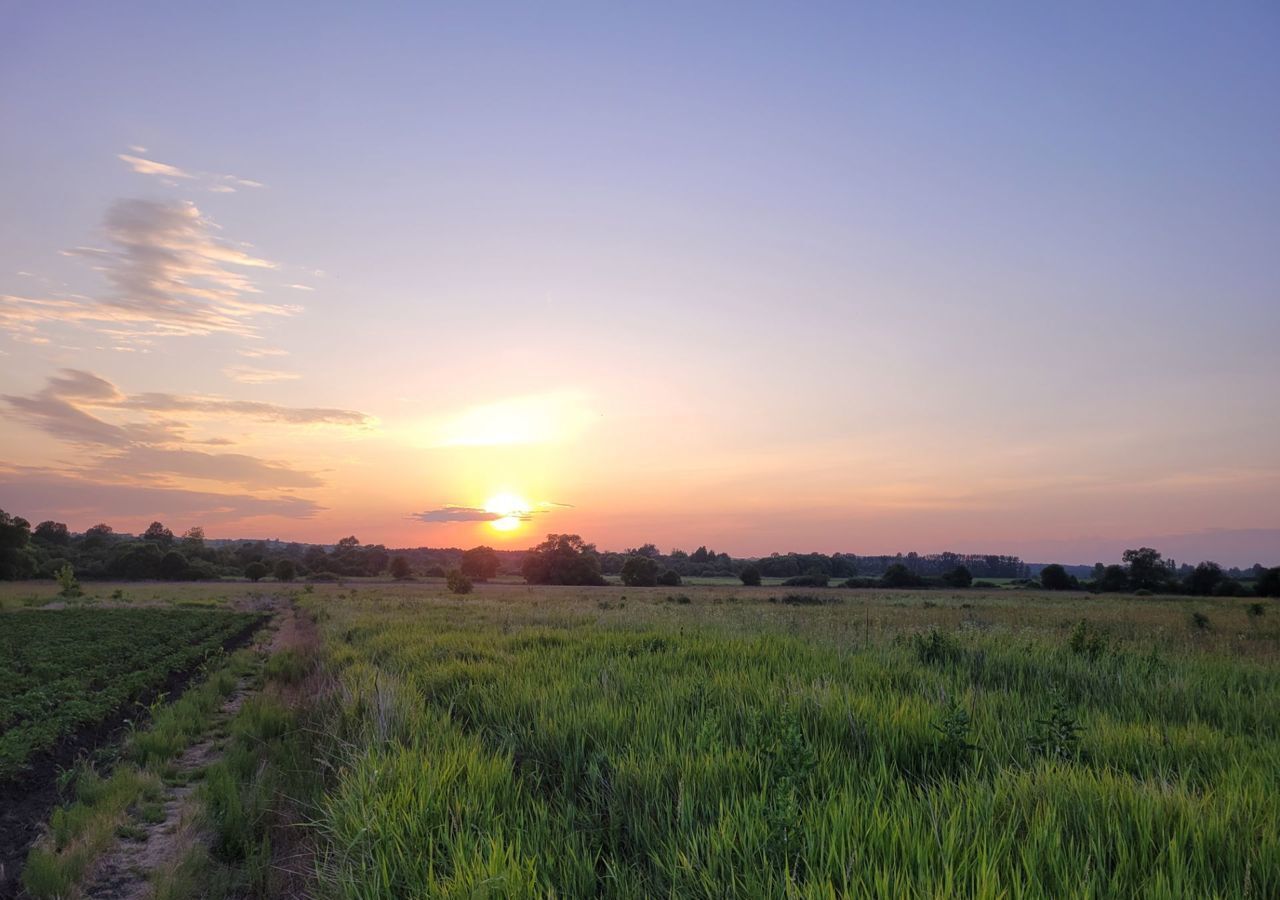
(724,742)
(721,741)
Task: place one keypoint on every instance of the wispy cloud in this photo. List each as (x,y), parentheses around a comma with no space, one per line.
(171,174)
(169,276)
(69,496)
(90,412)
(255,375)
(152,167)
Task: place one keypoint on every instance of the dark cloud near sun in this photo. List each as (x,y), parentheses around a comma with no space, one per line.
(456,514)
(476,514)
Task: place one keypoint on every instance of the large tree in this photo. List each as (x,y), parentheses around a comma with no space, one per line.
(1054,577)
(480,563)
(562,559)
(640,571)
(1147,569)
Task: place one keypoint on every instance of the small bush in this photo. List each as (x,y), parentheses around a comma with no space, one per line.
(1199,621)
(1142,592)
(750,576)
(1057,735)
(678,598)
(1086,641)
(436,572)
(67,579)
(935,648)
(669,578)
(1255,610)
(256,571)
(857,583)
(954,747)
(458,583)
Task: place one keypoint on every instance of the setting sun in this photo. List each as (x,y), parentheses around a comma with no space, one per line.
(512,508)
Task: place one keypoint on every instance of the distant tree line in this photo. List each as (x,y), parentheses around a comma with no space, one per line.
(101,553)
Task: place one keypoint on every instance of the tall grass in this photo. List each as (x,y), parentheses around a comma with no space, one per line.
(493,748)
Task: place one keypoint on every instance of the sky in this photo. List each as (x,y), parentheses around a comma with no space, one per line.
(841,277)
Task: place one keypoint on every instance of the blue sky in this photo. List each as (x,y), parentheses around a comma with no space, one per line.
(858,277)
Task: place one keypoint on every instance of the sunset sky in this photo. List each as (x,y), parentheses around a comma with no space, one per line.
(765,277)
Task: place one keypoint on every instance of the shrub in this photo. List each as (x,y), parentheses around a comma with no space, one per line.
(1229,587)
(256,570)
(436,572)
(856,582)
(400,568)
(804,599)
(1054,577)
(935,647)
(1086,641)
(285,570)
(1057,735)
(750,576)
(458,583)
(1200,621)
(959,577)
(1142,592)
(67,580)
(1255,610)
(899,576)
(669,578)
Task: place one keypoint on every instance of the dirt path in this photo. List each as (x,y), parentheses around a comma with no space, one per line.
(128,870)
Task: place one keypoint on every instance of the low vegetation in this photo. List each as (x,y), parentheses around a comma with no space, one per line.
(65,670)
(575,747)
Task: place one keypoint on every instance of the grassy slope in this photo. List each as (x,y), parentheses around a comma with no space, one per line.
(529,742)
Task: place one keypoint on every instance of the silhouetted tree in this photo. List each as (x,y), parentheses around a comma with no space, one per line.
(899,576)
(1204,578)
(669,578)
(1147,569)
(15,561)
(400,568)
(481,563)
(157,533)
(959,577)
(54,534)
(1054,577)
(285,570)
(458,583)
(173,566)
(750,576)
(639,571)
(562,559)
(256,571)
(1268,583)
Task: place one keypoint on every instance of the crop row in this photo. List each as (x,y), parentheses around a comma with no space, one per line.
(65,670)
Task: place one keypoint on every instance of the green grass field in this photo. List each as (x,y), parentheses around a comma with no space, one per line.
(720,741)
(706,742)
